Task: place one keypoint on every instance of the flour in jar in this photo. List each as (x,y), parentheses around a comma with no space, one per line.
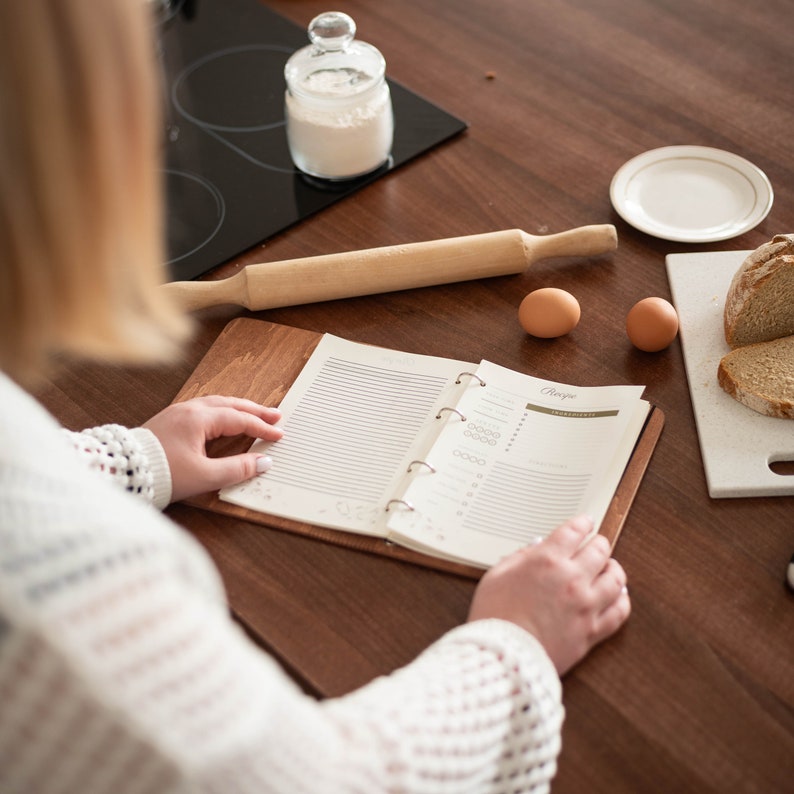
(340,140)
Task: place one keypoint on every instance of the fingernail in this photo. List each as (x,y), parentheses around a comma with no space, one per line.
(263,463)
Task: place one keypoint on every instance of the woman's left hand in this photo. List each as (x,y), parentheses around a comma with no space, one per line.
(184,429)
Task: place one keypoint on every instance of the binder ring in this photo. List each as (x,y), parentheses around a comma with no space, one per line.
(470,375)
(454,410)
(421,463)
(400,502)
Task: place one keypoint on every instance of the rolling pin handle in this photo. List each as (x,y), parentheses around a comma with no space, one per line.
(590,240)
(195,295)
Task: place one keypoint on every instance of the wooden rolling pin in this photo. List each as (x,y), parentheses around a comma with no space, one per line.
(292,282)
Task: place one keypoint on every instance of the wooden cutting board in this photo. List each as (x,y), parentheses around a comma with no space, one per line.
(737,444)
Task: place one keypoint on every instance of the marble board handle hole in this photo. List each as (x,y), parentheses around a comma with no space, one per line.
(782,467)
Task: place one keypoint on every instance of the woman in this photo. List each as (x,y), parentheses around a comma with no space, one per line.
(120,668)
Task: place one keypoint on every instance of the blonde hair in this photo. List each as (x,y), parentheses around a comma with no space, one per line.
(81,242)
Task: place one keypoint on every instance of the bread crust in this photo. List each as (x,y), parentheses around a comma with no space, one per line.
(755,310)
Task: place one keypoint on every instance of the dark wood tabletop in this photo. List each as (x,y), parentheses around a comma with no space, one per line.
(696,692)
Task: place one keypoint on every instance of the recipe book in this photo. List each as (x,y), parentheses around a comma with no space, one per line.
(456,462)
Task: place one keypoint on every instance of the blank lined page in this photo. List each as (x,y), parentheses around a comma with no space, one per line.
(351,421)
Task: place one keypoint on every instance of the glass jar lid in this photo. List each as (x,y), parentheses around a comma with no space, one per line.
(334,64)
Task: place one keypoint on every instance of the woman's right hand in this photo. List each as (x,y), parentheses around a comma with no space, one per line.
(569,595)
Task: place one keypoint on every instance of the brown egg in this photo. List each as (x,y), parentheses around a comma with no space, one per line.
(652,324)
(549,312)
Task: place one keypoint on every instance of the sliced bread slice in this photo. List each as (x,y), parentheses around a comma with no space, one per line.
(761,376)
(759,304)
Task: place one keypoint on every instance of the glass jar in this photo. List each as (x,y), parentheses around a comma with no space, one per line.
(340,122)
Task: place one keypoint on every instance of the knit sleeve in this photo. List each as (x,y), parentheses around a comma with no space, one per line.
(132,458)
(131,682)
(479,711)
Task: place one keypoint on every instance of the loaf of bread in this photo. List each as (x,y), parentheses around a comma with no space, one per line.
(761,376)
(759,326)
(760,302)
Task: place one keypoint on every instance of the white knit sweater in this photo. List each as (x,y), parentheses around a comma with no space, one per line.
(121,670)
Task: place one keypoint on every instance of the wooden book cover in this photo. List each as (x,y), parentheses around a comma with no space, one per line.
(260,360)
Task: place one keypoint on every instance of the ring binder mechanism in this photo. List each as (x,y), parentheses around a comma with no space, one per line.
(421,463)
(398,502)
(470,375)
(454,410)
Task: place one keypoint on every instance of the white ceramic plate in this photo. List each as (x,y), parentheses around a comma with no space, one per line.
(691,194)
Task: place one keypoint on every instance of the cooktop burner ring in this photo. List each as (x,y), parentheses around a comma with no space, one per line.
(211,57)
(205,203)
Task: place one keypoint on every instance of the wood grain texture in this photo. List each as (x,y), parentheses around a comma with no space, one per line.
(696,693)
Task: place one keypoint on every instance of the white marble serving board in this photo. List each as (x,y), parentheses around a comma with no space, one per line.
(737,444)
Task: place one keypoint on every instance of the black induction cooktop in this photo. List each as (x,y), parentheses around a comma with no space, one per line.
(229,179)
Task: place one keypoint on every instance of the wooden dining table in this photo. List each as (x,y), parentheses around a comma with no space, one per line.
(696,692)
